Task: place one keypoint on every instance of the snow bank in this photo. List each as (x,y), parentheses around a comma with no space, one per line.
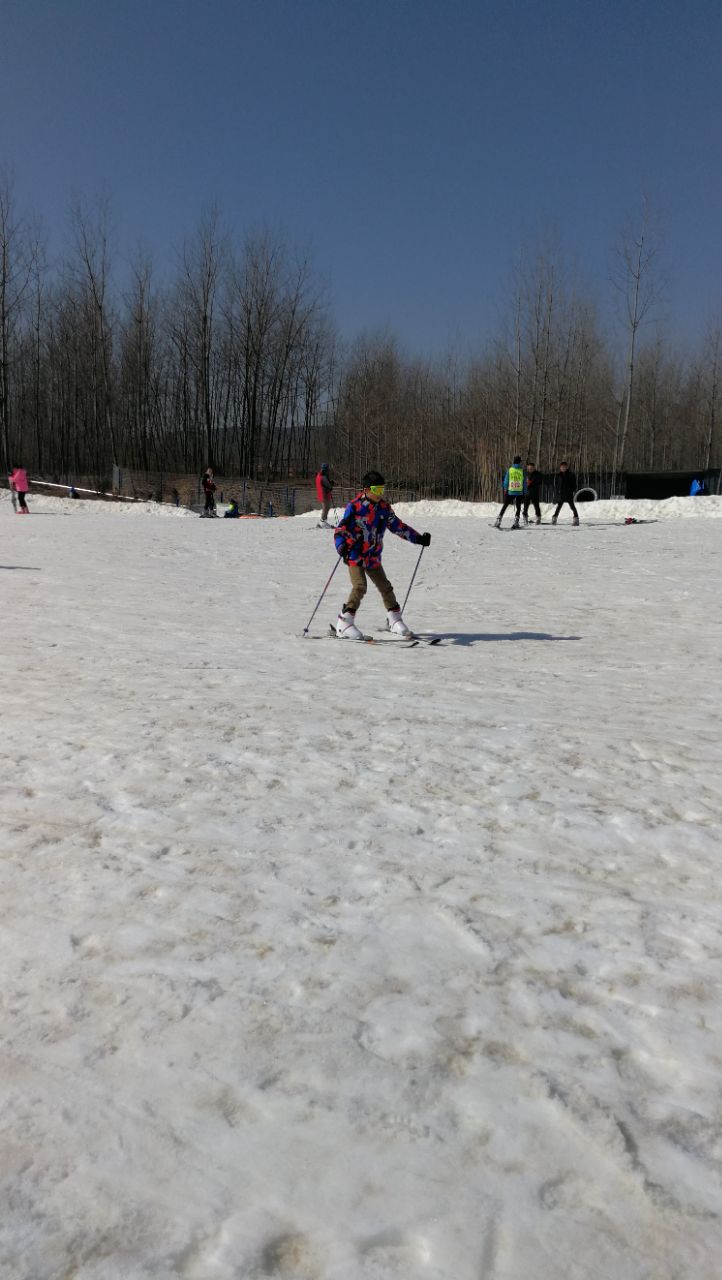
(590,512)
(39,502)
(617,511)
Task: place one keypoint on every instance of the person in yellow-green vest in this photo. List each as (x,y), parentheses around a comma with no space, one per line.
(514,491)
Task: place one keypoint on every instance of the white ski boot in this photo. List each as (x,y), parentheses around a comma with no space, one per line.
(346,628)
(397,626)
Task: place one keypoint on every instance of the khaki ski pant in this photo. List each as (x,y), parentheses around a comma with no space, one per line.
(359,586)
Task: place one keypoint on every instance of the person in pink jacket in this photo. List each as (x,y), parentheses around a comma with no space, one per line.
(19,482)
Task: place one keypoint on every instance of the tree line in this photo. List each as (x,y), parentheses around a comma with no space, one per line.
(235,362)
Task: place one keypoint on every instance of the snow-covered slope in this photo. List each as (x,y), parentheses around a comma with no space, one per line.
(343,962)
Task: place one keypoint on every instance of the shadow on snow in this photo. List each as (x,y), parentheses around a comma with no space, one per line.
(476,637)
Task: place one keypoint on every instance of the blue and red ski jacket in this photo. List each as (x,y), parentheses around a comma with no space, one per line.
(360,532)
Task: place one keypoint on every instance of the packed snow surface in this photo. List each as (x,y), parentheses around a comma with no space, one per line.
(330,961)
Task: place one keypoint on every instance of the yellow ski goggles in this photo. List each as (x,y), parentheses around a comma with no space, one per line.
(377,489)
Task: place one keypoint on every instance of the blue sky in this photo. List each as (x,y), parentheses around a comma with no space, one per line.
(414,146)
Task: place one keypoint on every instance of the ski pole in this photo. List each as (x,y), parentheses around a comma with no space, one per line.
(418,562)
(320,598)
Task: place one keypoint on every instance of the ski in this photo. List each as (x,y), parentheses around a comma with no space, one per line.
(402,642)
(411,636)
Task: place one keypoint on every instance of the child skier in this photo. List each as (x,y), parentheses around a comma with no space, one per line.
(359,539)
(514,491)
(324,493)
(19,483)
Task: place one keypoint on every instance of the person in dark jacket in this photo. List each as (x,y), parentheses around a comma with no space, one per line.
(566,488)
(533,489)
(209,489)
(233,512)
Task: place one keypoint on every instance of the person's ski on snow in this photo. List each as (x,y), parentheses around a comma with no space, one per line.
(359,540)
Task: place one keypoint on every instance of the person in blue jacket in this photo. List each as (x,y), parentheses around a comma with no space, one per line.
(514,491)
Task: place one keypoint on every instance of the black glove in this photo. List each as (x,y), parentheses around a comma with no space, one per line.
(425,540)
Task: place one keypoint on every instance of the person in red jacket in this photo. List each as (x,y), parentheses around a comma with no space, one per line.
(324,493)
(19,483)
(209,489)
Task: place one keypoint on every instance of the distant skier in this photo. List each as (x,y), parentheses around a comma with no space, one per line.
(324,493)
(566,488)
(359,539)
(514,491)
(19,483)
(209,489)
(533,489)
(232,513)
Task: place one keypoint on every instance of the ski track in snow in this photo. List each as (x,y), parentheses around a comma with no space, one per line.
(325,962)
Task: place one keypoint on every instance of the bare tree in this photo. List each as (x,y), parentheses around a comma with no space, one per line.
(16,268)
(636,280)
(93,270)
(712,369)
(203,262)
